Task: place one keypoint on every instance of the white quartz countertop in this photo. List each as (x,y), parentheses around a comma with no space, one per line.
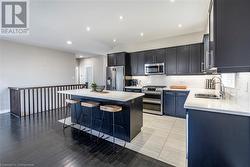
(133,87)
(233,105)
(182,90)
(107,95)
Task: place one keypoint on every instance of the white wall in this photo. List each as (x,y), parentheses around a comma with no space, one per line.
(25,65)
(161,43)
(99,64)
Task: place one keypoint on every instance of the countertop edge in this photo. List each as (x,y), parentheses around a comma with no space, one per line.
(233,111)
(106,98)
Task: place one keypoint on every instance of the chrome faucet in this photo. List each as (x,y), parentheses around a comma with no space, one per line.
(222,88)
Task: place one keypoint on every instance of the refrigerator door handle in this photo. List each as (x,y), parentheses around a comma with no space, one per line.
(115,80)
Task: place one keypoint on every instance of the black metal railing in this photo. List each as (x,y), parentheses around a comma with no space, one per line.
(26,101)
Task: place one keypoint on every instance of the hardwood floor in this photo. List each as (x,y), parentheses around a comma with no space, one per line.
(40,141)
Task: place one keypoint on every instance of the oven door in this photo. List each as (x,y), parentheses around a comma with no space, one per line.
(154,69)
(152,104)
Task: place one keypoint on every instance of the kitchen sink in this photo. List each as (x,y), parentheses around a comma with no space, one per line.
(207,96)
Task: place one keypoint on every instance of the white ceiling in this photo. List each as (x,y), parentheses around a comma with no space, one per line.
(53,22)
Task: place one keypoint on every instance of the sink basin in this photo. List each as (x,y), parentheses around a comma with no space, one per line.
(207,96)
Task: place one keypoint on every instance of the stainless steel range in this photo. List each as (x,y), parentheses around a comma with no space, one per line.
(153,99)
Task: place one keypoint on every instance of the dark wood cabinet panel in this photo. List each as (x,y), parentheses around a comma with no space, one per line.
(137,63)
(133,63)
(159,56)
(120,59)
(232,35)
(149,57)
(140,64)
(117,59)
(216,139)
(183,53)
(111,60)
(171,61)
(180,60)
(174,103)
(154,56)
(169,103)
(180,101)
(195,58)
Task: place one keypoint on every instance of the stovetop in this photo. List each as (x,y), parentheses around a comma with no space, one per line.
(152,88)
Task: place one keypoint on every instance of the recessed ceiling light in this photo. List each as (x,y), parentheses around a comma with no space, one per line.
(179,25)
(121,17)
(172,0)
(142,34)
(88,28)
(69,42)
(80,56)
(114,40)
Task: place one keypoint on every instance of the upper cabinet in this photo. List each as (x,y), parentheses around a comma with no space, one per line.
(230,35)
(183,53)
(196,57)
(154,56)
(180,60)
(120,59)
(189,59)
(171,61)
(137,63)
(117,59)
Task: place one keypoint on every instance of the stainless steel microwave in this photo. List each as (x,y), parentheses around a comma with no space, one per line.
(154,69)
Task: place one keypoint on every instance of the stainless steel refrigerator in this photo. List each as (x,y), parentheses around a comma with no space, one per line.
(115,78)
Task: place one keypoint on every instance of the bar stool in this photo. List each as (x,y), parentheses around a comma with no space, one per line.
(111,109)
(69,103)
(91,105)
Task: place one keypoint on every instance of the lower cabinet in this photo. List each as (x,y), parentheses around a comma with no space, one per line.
(174,103)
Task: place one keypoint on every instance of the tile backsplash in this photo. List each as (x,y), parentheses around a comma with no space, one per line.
(242,85)
(191,81)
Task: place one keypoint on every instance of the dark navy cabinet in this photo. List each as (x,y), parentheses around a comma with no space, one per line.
(180,99)
(179,60)
(218,139)
(174,103)
(230,35)
(117,59)
(171,61)
(169,103)
(183,53)
(137,63)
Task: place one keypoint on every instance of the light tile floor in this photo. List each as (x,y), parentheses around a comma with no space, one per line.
(162,138)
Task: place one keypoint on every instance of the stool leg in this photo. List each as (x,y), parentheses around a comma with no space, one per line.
(65,116)
(113,130)
(80,118)
(101,125)
(91,123)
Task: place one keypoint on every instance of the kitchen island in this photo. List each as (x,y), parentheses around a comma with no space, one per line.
(128,122)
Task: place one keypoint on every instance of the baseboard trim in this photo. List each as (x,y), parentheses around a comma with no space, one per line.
(4,111)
